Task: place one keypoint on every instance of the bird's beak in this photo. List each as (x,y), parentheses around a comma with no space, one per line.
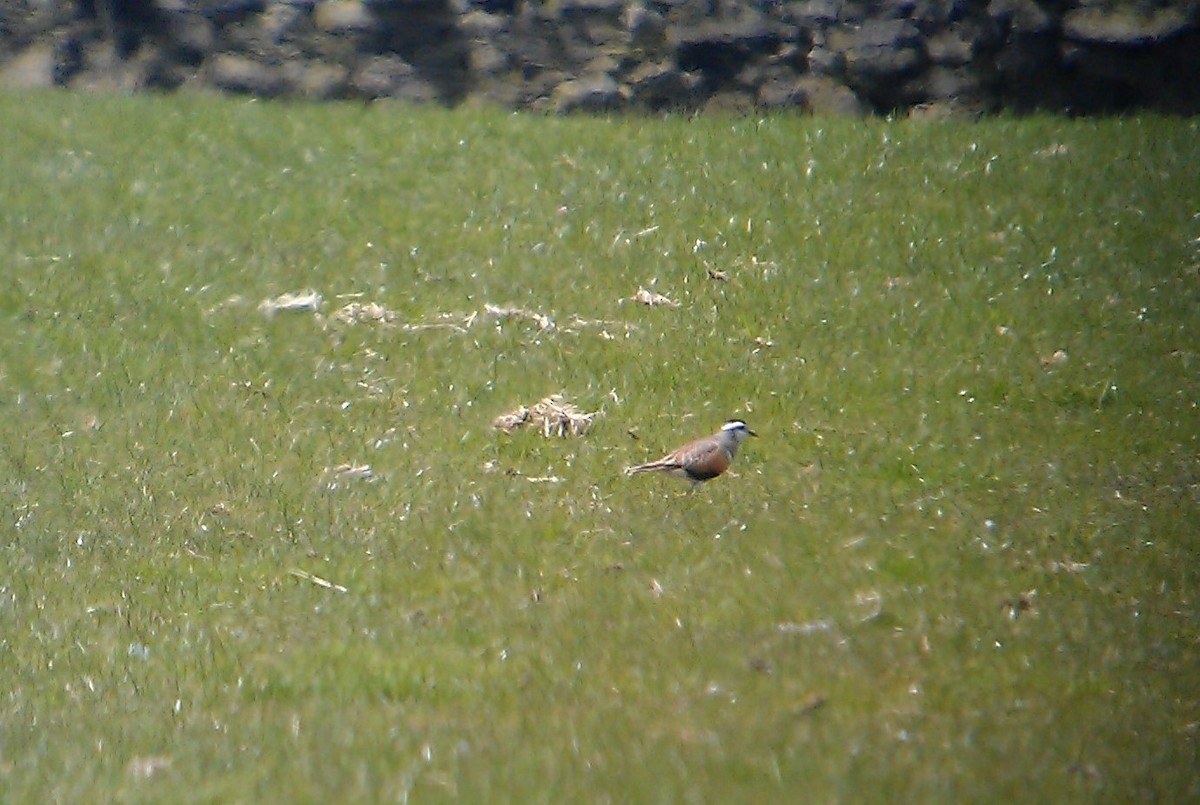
(752,433)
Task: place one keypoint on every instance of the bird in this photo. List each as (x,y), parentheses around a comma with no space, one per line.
(703,459)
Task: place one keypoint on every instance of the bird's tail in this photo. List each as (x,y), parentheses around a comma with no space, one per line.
(653,466)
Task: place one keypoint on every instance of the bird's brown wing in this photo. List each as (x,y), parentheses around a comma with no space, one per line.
(694,453)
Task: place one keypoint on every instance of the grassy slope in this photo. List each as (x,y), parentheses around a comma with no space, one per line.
(835,620)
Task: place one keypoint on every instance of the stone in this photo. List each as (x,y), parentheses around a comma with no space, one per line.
(885,48)
(647,29)
(242,75)
(813,13)
(1023,57)
(825,96)
(594,93)
(940,83)
(897,9)
(601,64)
(343,17)
(402,7)
(1126,26)
(1021,16)
(319,82)
(496,6)
(224,12)
(931,15)
(485,58)
(824,60)
(728,102)
(781,93)
(482,25)
(661,85)
(190,36)
(587,7)
(280,22)
(386,77)
(32,68)
(949,47)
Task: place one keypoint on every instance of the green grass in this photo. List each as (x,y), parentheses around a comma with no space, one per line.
(840,621)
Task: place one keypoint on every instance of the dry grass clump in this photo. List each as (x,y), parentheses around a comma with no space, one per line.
(543,321)
(552,415)
(365,313)
(652,299)
(304,300)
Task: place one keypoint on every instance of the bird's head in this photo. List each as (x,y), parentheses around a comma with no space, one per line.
(737,429)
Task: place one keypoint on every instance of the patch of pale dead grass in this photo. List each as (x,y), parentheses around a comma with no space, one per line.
(552,415)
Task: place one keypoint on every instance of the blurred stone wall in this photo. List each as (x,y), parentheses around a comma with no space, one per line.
(825,56)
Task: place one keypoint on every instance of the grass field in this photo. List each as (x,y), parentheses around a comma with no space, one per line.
(960,564)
